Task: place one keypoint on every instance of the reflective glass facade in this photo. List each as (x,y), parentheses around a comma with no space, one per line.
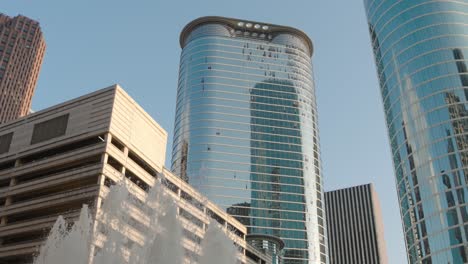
(246,129)
(420,48)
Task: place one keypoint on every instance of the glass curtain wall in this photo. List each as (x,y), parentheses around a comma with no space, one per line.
(246,129)
(420,48)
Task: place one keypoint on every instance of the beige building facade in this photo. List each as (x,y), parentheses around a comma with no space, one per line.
(55,160)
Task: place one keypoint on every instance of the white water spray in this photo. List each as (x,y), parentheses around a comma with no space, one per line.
(154,225)
(68,244)
(215,246)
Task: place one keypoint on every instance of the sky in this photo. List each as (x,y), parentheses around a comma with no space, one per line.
(94,44)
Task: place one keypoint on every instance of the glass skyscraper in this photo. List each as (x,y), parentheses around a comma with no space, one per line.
(420,48)
(246,129)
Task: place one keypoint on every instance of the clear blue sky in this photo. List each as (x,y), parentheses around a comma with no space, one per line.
(93,44)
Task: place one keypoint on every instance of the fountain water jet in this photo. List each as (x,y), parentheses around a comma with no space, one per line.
(67,244)
(217,244)
(159,232)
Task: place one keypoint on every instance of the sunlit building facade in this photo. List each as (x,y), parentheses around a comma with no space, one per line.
(246,131)
(420,48)
(55,160)
(22,48)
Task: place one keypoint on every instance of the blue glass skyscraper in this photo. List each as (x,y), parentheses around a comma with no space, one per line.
(246,129)
(420,48)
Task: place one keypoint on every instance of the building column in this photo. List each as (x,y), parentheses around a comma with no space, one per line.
(104,158)
(8,201)
(108,137)
(97,207)
(204,225)
(125,151)
(179,196)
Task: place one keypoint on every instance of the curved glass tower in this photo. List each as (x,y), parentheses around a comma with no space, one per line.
(246,129)
(420,48)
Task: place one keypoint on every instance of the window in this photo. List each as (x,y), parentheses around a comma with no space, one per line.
(5,141)
(117,144)
(143,164)
(114,164)
(216,217)
(49,129)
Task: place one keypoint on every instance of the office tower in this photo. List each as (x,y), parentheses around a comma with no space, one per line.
(57,159)
(355,227)
(420,48)
(22,48)
(246,131)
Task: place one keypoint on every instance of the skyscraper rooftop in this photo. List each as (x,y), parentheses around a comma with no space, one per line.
(269,30)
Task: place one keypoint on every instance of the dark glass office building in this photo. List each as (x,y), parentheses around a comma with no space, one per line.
(420,48)
(246,129)
(355,226)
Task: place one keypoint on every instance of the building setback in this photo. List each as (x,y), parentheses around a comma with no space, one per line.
(55,160)
(420,50)
(355,227)
(246,132)
(22,48)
